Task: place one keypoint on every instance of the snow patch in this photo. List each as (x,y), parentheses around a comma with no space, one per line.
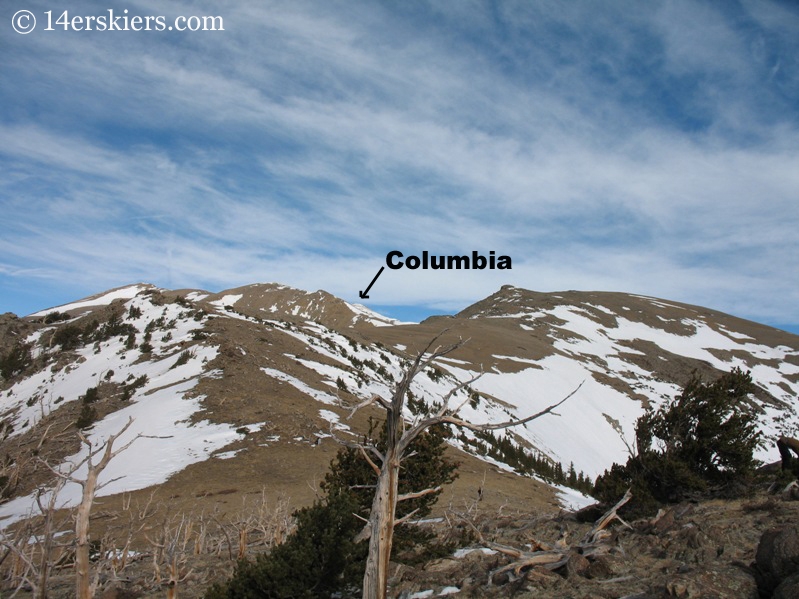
(334,420)
(227,300)
(165,445)
(372,317)
(300,386)
(461,553)
(101,300)
(449,591)
(573,500)
(226,455)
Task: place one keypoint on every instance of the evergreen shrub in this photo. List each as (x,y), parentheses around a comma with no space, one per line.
(703,440)
(321,558)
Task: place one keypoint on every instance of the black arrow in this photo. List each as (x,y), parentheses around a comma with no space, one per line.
(364,294)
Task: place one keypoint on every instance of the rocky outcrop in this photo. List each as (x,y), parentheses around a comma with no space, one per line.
(689,551)
(777,562)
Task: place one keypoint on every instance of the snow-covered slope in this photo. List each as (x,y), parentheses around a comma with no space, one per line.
(632,352)
(101,299)
(267,370)
(160,399)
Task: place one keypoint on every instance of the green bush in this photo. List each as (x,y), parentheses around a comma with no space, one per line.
(55,317)
(15,361)
(69,336)
(113,327)
(183,358)
(426,467)
(87,416)
(702,440)
(320,558)
(92,394)
(129,388)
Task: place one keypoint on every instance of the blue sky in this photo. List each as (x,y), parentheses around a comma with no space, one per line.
(644,147)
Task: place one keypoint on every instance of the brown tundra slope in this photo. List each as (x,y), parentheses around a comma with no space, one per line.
(239,397)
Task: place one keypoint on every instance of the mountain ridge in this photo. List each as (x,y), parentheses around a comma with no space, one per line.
(271,372)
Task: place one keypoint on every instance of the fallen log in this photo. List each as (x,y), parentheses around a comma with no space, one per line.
(595,534)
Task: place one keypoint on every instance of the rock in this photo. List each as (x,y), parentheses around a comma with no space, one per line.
(791,492)
(469,584)
(788,588)
(681,588)
(577,565)
(693,546)
(600,568)
(663,522)
(500,578)
(119,593)
(778,551)
(777,556)
(712,584)
(728,582)
(442,565)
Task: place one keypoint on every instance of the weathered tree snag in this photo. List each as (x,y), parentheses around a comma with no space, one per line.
(84,587)
(382,518)
(594,535)
(381,523)
(47,538)
(553,557)
(785,446)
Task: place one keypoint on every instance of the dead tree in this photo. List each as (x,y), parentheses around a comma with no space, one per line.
(28,541)
(35,570)
(84,587)
(553,557)
(786,445)
(171,549)
(379,528)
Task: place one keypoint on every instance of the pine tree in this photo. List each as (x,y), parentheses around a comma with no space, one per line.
(571,479)
(705,437)
(427,467)
(15,361)
(321,558)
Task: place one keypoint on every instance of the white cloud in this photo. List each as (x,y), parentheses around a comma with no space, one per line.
(308,139)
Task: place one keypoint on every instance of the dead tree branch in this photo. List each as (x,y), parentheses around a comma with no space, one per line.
(382,518)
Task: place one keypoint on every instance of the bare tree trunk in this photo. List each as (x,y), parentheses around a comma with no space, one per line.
(47,543)
(83,587)
(382,518)
(174,578)
(384,505)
